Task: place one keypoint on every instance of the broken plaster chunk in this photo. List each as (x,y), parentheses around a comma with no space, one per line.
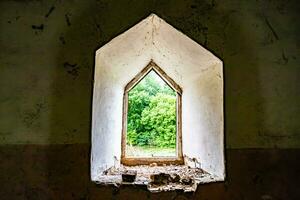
(187,180)
(129,176)
(192,162)
(153,165)
(175,178)
(160,178)
(163,178)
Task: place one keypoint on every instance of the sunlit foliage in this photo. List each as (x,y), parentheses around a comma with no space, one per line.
(151,117)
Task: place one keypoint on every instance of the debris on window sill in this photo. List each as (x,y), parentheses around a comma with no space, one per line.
(157,178)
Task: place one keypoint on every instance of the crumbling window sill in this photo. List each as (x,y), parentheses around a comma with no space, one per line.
(157,178)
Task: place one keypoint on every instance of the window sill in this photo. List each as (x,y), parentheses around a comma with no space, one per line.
(158,178)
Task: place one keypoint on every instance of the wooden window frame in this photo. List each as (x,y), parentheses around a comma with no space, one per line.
(178,159)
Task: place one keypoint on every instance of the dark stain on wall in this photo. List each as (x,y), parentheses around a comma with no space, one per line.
(67,17)
(62,39)
(38,28)
(50,11)
(30,116)
(71,69)
(271,28)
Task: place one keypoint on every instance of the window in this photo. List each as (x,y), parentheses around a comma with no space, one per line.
(152,129)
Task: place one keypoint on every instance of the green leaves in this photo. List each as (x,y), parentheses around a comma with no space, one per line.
(151,116)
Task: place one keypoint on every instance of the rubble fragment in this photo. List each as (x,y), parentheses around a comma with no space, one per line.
(160,178)
(129,176)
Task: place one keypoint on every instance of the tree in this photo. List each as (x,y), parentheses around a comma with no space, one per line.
(159,121)
(151,116)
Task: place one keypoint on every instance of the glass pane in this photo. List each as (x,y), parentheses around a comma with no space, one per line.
(151,119)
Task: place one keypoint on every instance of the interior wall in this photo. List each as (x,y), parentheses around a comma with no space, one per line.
(46,77)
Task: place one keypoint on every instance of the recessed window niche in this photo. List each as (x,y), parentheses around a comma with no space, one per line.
(199,74)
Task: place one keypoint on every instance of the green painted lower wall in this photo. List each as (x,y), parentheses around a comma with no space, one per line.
(47,59)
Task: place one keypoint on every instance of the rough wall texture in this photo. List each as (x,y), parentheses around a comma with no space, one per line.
(62,172)
(46,70)
(47,59)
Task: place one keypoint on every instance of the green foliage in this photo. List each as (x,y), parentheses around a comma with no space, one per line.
(151,114)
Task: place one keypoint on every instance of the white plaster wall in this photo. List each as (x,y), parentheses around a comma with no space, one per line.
(116,64)
(195,69)
(203,125)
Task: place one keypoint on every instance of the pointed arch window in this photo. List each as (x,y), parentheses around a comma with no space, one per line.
(152,129)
